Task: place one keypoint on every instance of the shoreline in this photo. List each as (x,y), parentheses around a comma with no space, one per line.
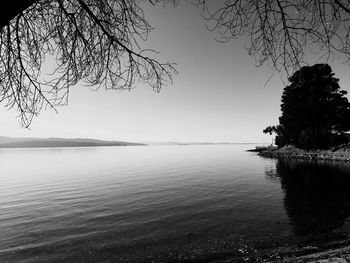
(334,252)
(339,253)
(338,154)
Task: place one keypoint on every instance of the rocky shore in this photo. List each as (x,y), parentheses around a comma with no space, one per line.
(340,255)
(339,153)
(334,253)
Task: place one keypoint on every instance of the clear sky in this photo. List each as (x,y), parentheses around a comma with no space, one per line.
(219,94)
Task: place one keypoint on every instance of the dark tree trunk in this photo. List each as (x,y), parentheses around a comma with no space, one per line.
(12,8)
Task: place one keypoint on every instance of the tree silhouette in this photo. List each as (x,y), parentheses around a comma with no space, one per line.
(96,42)
(279,33)
(315,111)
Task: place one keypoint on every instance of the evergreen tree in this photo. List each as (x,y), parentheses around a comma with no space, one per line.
(315,112)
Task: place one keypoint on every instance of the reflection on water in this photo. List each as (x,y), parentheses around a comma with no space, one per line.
(317,195)
(162,204)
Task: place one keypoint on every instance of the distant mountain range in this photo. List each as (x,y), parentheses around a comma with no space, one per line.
(9,142)
(195,143)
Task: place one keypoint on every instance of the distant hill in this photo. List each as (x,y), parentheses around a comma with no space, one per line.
(195,143)
(9,142)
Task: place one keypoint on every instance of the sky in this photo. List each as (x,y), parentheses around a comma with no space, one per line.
(219,94)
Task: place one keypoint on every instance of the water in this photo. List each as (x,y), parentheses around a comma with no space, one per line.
(164,204)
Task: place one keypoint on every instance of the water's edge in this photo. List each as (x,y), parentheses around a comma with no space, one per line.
(289,152)
(311,253)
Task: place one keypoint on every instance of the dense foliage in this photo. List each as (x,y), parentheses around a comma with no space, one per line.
(315,112)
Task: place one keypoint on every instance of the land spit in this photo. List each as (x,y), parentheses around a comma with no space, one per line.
(339,153)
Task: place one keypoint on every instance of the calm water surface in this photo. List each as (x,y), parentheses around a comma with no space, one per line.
(164,204)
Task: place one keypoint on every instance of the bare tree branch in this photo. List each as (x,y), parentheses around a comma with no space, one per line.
(280,31)
(97,43)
